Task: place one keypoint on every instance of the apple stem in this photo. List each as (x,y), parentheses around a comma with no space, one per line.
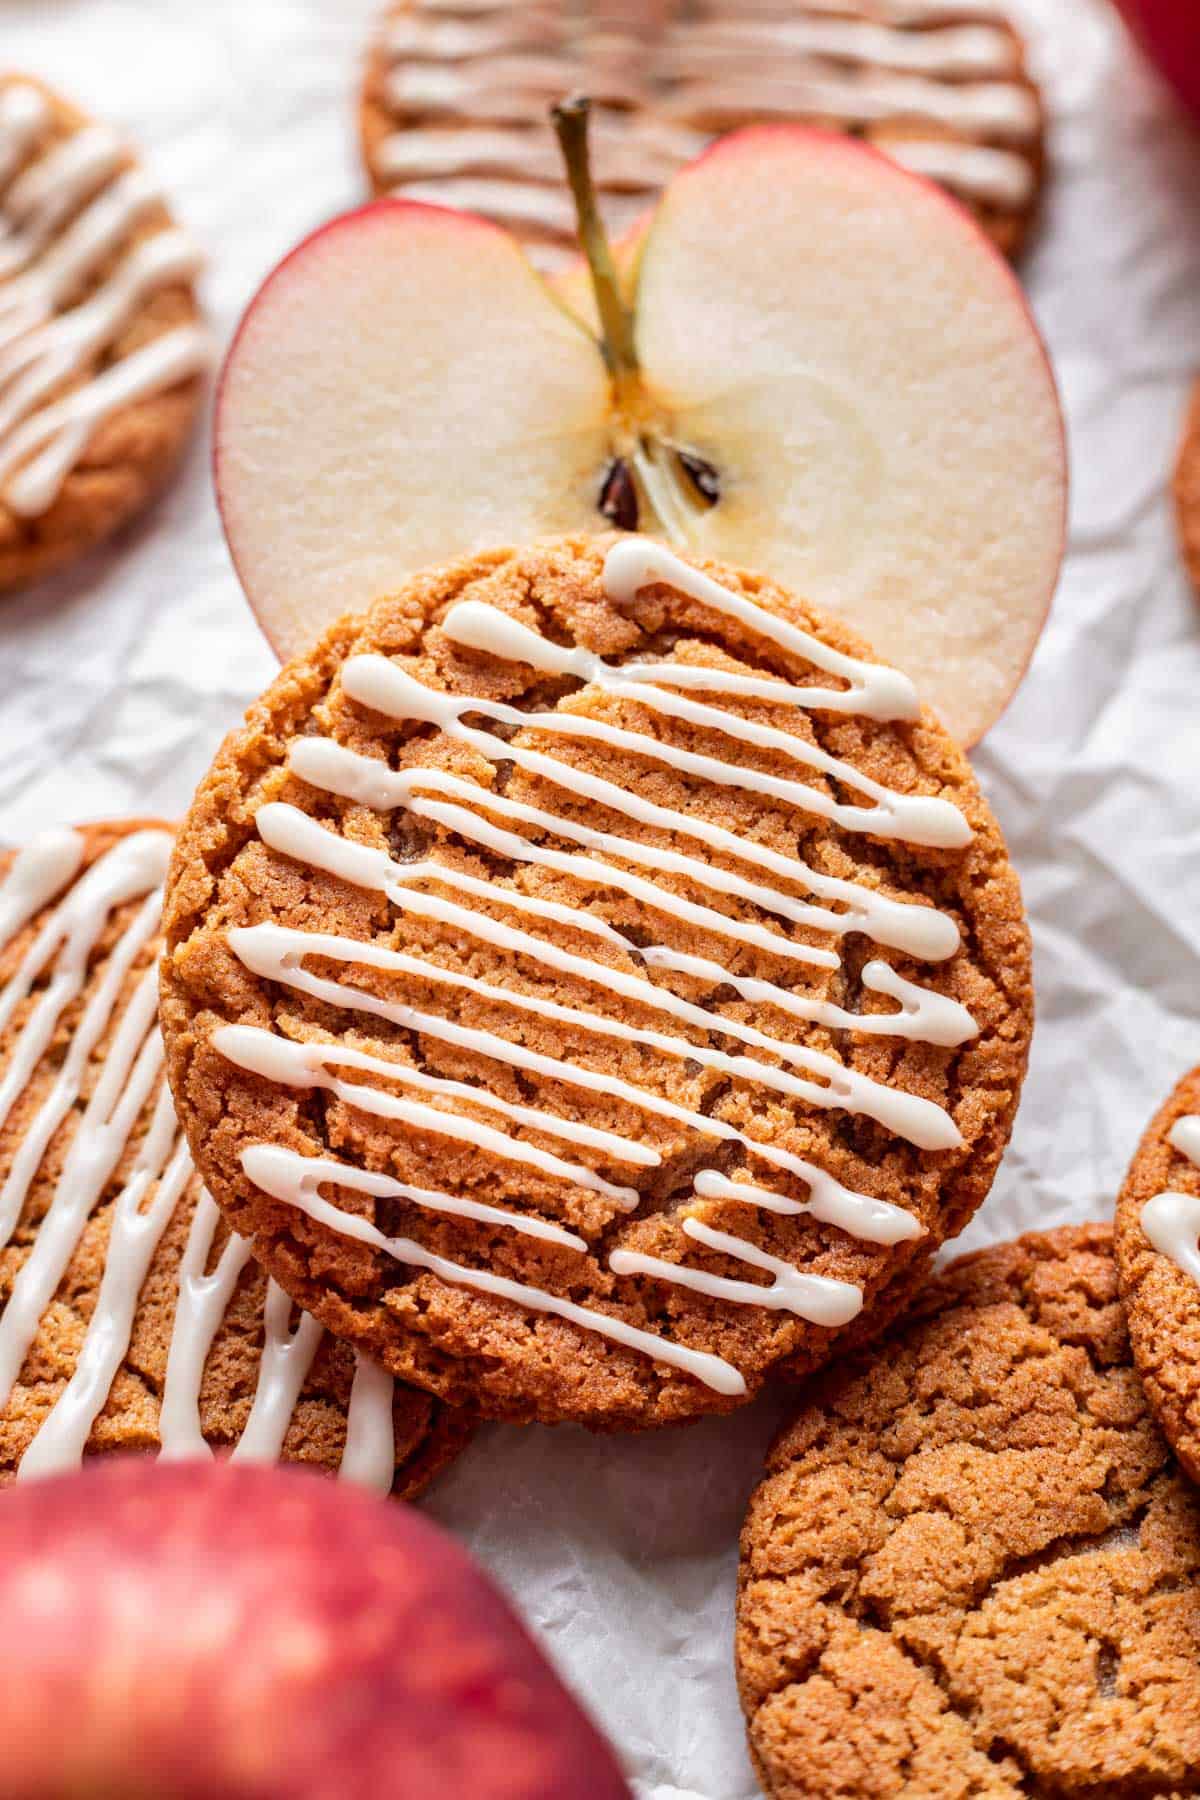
(616,321)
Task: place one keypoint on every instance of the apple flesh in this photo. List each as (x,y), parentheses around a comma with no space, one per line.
(832,376)
(261,1634)
(1169,31)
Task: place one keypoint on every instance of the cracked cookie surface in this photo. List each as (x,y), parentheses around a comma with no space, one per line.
(1161,1298)
(105,1224)
(973,1566)
(486,994)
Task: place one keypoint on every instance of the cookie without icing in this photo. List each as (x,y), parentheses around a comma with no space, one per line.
(1157,1233)
(589,1047)
(101,346)
(129,1317)
(456,98)
(1187,490)
(973,1567)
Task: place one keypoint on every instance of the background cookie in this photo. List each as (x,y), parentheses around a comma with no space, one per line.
(101,349)
(973,1567)
(1187,490)
(128,1315)
(455,100)
(658,1109)
(1157,1233)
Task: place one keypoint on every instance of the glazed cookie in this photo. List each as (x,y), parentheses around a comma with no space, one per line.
(101,347)
(591,982)
(455,99)
(130,1317)
(1187,490)
(1158,1254)
(973,1567)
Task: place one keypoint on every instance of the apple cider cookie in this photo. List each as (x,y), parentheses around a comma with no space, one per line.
(973,1566)
(591,980)
(1187,490)
(1158,1254)
(455,99)
(130,1317)
(101,345)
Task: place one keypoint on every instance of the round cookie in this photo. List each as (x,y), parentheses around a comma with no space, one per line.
(101,346)
(973,1566)
(1187,490)
(592,983)
(454,106)
(1158,1254)
(130,1318)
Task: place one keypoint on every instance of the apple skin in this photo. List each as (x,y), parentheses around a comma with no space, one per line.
(1169,32)
(191,1632)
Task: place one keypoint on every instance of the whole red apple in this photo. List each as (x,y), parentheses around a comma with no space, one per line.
(232,1633)
(1170,32)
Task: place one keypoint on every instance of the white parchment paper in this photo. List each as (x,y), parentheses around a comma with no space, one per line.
(117,682)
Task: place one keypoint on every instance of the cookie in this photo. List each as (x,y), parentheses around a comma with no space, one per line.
(455,99)
(973,1566)
(1187,490)
(101,345)
(1158,1254)
(592,981)
(130,1317)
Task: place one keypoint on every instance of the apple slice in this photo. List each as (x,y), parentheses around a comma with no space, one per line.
(403,387)
(859,365)
(811,362)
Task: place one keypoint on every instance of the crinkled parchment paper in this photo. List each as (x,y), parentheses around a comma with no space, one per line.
(118,681)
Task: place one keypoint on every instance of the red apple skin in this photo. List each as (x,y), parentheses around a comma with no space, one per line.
(1169,31)
(231,1633)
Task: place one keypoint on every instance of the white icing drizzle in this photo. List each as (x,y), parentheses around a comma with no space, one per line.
(36,874)
(201,1305)
(296,1180)
(134,1236)
(919,930)
(308,1066)
(1172,1220)
(922,1122)
(369,1456)
(24,118)
(977,171)
(814,1297)
(922,819)
(1004,109)
(62,218)
(278,954)
(469,89)
(162,1170)
(287,1357)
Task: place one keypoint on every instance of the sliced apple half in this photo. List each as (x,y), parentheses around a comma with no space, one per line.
(818,367)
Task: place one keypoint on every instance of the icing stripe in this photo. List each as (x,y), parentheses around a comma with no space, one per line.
(199,1309)
(1172,1220)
